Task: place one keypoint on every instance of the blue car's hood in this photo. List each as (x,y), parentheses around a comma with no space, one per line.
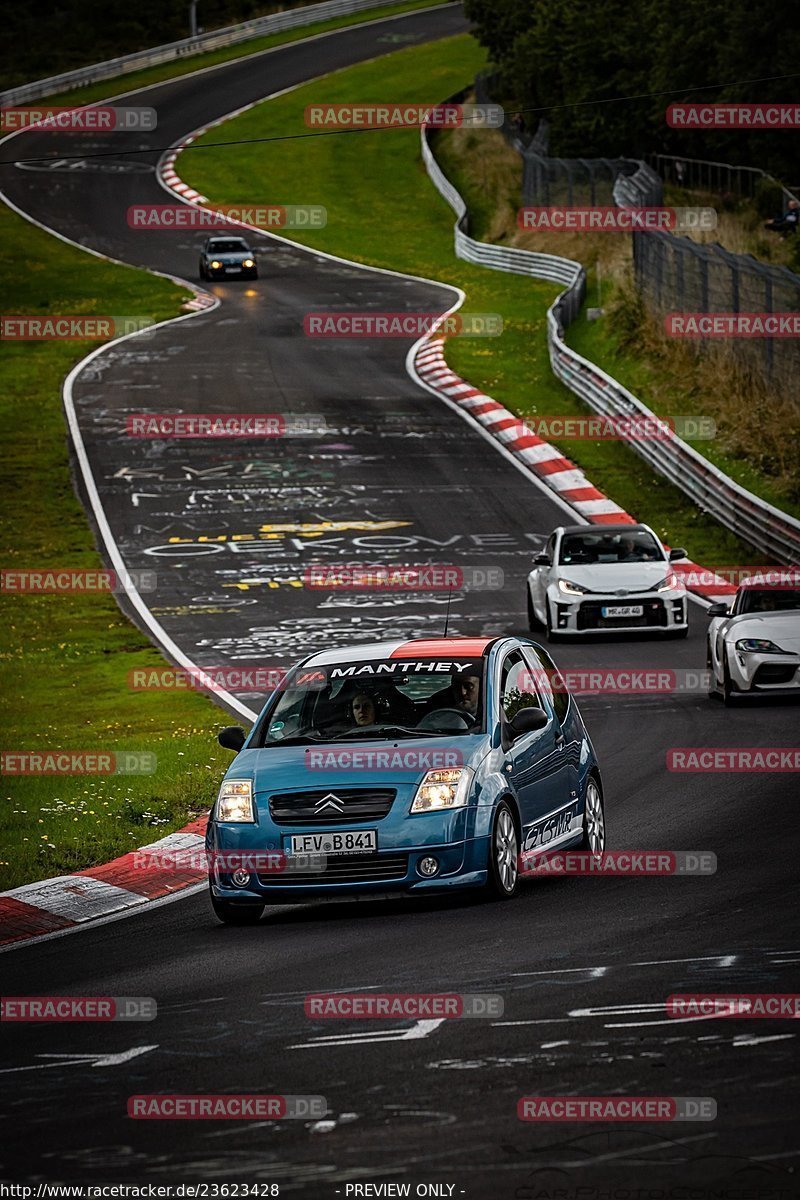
(353,763)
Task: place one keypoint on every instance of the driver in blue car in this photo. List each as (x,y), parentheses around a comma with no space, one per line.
(463,693)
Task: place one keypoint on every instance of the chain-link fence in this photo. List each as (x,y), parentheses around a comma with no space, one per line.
(676,275)
(673,274)
(703,175)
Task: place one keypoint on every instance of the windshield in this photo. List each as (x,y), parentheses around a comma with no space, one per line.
(774,599)
(231,246)
(594,546)
(408,697)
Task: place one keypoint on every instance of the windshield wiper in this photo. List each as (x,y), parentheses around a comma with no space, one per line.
(383,731)
(297,739)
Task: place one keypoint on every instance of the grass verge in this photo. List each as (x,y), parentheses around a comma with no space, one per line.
(383,210)
(64,660)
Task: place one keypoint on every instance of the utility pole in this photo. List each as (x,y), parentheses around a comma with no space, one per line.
(193,18)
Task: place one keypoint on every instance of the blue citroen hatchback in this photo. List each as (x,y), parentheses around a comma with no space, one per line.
(402,768)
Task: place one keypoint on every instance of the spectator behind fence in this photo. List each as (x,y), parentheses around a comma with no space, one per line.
(788,221)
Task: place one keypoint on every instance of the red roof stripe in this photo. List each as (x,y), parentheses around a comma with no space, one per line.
(442,648)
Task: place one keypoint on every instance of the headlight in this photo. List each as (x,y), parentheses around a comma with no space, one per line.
(758,646)
(248,262)
(235,801)
(215,264)
(570,588)
(443,790)
(672,583)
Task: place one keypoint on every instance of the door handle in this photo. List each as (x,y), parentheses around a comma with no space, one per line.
(559,741)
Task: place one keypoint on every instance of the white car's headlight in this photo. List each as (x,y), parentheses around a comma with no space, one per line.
(758,646)
(672,583)
(571,589)
(442,790)
(235,801)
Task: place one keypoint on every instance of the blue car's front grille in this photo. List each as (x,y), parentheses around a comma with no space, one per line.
(352,868)
(329,807)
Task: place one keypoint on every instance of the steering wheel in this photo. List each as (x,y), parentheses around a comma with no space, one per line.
(429,721)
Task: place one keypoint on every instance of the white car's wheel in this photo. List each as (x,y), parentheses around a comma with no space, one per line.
(534,624)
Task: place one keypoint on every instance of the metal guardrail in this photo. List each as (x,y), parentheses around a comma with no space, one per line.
(767,528)
(231,35)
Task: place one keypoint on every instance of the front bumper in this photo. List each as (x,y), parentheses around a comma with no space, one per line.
(576,615)
(461,865)
(232,273)
(765,674)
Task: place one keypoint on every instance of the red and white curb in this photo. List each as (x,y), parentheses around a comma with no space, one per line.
(171,177)
(53,905)
(541,458)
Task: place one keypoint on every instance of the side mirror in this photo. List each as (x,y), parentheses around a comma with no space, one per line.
(232,738)
(542,560)
(527,720)
(677,552)
(718,610)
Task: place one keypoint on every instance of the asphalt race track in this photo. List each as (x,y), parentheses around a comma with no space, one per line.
(583,965)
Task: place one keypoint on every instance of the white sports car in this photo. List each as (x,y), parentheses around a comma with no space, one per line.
(617,578)
(754,647)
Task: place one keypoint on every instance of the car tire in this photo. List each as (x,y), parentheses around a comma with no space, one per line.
(551,636)
(678,633)
(729,689)
(503,874)
(534,624)
(230,912)
(203,272)
(713,689)
(594,819)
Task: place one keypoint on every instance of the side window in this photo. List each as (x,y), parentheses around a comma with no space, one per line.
(556,688)
(517,685)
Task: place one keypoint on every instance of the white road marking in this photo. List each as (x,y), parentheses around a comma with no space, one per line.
(748,1039)
(419,1029)
(74,1060)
